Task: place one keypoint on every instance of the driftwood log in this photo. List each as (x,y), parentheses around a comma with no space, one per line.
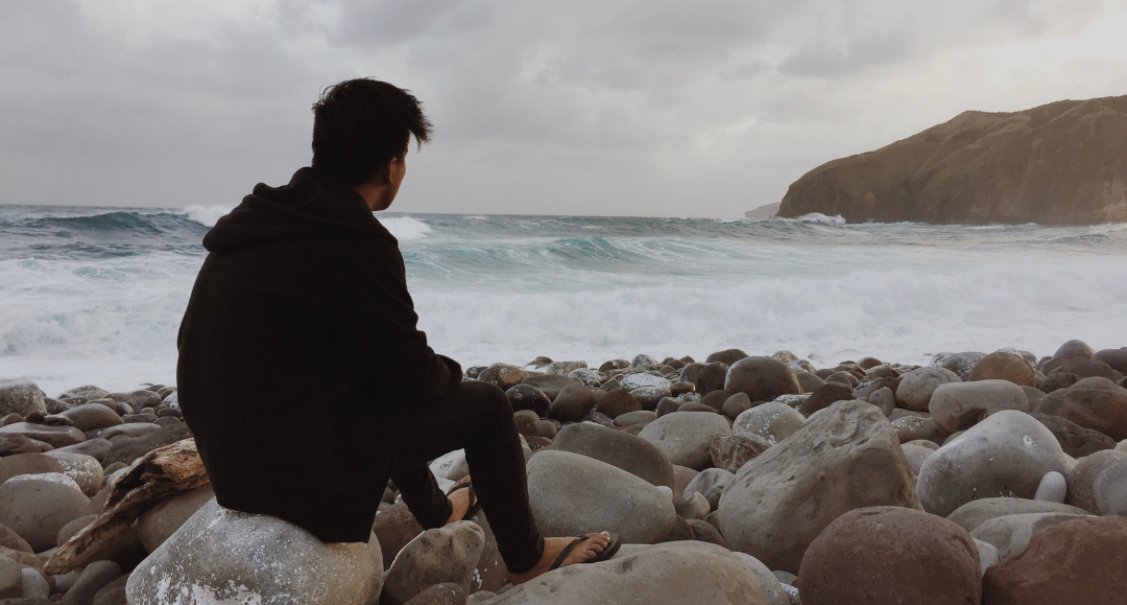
(157,476)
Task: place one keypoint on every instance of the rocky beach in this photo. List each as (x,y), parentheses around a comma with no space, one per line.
(995,478)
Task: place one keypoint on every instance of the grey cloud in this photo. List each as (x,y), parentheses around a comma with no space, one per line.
(590,106)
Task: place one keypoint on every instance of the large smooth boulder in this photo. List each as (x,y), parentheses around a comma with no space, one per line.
(161,521)
(1005,455)
(37,506)
(673,573)
(917,386)
(761,379)
(442,555)
(21,397)
(1082,478)
(957,406)
(224,556)
(845,457)
(572,494)
(890,556)
(684,436)
(55,436)
(628,452)
(1081,561)
(1010,534)
(1093,403)
(1003,365)
(773,421)
(976,512)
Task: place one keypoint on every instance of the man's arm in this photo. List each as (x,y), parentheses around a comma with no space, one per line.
(393,349)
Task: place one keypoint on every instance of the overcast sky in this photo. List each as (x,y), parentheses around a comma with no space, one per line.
(616,107)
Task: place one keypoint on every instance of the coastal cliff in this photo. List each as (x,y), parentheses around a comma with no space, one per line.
(1064,163)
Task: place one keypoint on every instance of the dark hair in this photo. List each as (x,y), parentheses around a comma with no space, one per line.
(361,125)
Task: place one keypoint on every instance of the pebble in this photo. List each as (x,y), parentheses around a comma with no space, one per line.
(1053,488)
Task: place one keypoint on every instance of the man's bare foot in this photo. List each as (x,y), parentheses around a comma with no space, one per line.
(584,551)
(461,502)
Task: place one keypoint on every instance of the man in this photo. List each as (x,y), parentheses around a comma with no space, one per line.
(303,376)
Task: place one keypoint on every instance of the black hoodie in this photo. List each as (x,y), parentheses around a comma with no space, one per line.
(298,345)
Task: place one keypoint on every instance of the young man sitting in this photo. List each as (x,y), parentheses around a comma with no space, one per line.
(303,376)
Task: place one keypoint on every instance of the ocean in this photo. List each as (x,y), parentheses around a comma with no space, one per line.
(95,295)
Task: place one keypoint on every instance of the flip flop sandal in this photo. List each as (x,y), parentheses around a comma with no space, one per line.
(607,553)
(475,504)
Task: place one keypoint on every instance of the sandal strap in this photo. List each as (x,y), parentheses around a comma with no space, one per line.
(566,551)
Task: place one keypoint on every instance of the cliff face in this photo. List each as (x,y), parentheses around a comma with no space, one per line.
(1064,163)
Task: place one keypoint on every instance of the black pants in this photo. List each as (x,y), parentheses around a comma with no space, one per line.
(476,417)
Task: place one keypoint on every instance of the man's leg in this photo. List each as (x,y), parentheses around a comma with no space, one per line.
(476,417)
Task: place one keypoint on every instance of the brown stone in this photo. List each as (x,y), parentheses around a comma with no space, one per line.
(616,403)
(12,540)
(1082,478)
(1075,440)
(572,403)
(1094,403)
(446,593)
(1087,368)
(823,397)
(888,555)
(55,436)
(1057,381)
(27,464)
(1081,561)
(1004,366)
(980,168)
(761,379)
(1114,358)
(706,377)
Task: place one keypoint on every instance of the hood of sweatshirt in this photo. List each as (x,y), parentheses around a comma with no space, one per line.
(310,206)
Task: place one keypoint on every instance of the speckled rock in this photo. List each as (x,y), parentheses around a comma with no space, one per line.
(962,364)
(528,397)
(572,494)
(890,556)
(223,556)
(684,437)
(845,457)
(773,421)
(442,555)
(1005,455)
(85,470)
(21,397)
(1075,440)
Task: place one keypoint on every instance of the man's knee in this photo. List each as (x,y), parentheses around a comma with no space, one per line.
(488,398)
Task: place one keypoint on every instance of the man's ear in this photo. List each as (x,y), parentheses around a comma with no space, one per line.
(383,177)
